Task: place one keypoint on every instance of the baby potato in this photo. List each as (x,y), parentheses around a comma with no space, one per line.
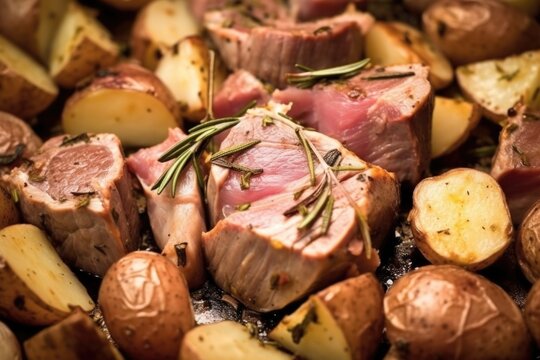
(343,321)
(461,218)
(446,312)
(528,244)
(467,31)
(9,345)
(145,303)
(126,100)
(532,312)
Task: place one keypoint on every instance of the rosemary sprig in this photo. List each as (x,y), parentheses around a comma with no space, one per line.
(234,149)
(309,77)
(389,75)
(248,106)
(237,167)
(307,150)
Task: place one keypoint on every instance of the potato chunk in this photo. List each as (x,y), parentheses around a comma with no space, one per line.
(36,287)
(126,100)
(11,350)
(226,340)
(395,43)
(461,217)
(528,244)
(452,123)
(25,87)
(497,85)
(160,25)
(343,321)
(81,46)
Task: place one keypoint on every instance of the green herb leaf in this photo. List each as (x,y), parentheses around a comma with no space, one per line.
(309,156)
(243,207)
(234,149)
(310,77)
(389,75)
(70,140)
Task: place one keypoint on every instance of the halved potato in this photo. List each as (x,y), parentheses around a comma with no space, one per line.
(160,25)
(81,46)
(461,218)
(497,85)
(343,321)
(185,70)
(395,43)
(226,340)
(25,87)
(126,4)
(126,100)
(75,337)
(528,244)
(452,123)
(11,350)
(36,287)
(31,24)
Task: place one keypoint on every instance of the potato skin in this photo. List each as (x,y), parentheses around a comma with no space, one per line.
(9,213)
(127,76)
(146,305)
(445,312)
(532,312)
(126,4)
(475,30)
(357,306)
(11,350)
(19,20)
(528,244)
(19,303)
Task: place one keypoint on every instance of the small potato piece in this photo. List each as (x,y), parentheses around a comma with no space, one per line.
(126,100)
(498,85)
(25,87)
(453,120)
(343,321)
(185,71)
(81,46)
(31,24)
(532,312)
(445,312)
(528,244)
(226,340)
(461,218)
(145,303)
(395,43)
(9,345)
(9,213)
(530,7)
(160,25)
(468,31)
(75,337)
(126,4)
(36,287)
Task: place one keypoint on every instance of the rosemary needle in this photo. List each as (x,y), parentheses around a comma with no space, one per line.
(310,77)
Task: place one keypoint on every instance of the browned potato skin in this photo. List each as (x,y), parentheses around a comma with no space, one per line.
(445,312)
(19,20)
(75,337)
(128,76)
(23,99)
(357,306)
(126,4)
(532,312)
(468,31)
(528,244)
(9,345)
(19,303)
(9,213)
(145,302)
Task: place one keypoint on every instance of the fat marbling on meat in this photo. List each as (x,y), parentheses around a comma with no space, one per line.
(78,189)
(257,253)
(177,222)
(381,115)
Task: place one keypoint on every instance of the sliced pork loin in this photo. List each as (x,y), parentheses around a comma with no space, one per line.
(257,253)
(79,190)
(385,121)
(177,222)
(270,50)
(17,141)
(304,10)
(238,91)
(516,165)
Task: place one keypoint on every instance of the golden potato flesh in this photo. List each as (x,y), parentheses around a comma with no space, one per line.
(461,218)
(146,305)
(36,287)
(446,312)
(9,345)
